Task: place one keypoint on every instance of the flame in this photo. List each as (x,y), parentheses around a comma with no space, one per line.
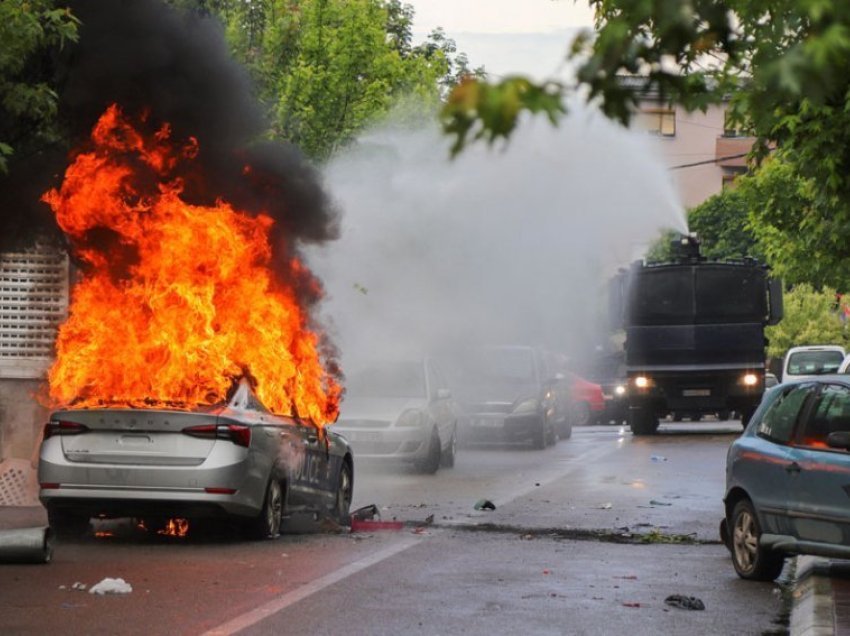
(176,300)
(176,527)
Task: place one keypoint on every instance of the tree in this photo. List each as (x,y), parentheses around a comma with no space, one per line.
(811,317)
(29,31)
(722,224)
(326,69)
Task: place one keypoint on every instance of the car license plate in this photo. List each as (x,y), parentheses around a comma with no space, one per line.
(696,392)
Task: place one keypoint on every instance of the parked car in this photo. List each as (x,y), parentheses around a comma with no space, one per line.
(234,460)
(787,478)
(588,404)
(510,394)
(812,360)
(402,412)
(608,370)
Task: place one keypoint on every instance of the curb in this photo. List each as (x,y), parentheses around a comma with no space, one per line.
(813,607)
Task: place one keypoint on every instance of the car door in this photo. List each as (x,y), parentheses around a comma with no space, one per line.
(312,479)
(819,503)
(763,464)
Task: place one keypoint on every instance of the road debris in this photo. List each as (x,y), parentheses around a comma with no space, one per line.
(79,586)
(484,504)
(606,506)
(111,586)
(631,604)
(684,602)
(366,512)
(655,502)
(658,458)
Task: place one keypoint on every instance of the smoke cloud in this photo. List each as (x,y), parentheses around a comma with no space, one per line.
(162,66)
(510,246)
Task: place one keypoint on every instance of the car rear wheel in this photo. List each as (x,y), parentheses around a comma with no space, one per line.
(751,560)
(67,524)
(344,493)
(266,525)
(447,458)
(431,463)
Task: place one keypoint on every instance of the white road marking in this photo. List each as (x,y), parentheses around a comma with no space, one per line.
(290,598)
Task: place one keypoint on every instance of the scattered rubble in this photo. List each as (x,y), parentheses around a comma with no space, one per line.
(484,504)
(684,602)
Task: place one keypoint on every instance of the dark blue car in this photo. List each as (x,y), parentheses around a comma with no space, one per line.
(788,478)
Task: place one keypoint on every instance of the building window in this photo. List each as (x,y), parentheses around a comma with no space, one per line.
(33,303)
(659,121)
(735,128)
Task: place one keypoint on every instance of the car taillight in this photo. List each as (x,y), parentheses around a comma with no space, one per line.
(239,434)
(63,428)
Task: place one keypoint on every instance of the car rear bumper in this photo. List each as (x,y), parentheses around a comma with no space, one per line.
(128,489)
(491,427)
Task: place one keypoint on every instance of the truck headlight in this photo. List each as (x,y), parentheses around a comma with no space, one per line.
(620,390)
(750,379)
(527,406)
(642,382)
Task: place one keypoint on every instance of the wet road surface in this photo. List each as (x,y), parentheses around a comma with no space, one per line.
(588,537)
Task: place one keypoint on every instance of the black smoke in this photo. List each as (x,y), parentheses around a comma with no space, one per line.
(164,65)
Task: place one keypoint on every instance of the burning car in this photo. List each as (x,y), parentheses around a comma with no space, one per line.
(401,412)
(235,460)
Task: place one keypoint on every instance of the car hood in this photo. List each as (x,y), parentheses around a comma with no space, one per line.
(377,408)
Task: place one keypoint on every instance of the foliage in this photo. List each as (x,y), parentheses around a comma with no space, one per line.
(326,69)
(811,317)
(722,224)
(29,31)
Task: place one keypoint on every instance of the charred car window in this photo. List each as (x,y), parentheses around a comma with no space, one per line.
(777,423)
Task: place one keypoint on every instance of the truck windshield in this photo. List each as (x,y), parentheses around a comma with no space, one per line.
(697,294)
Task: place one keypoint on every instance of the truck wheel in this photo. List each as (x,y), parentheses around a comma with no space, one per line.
(643,422)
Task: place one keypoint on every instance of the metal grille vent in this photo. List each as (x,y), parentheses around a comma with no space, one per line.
(17,487)
(33,302)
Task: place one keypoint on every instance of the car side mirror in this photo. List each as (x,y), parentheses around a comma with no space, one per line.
(839,439)
(443,394)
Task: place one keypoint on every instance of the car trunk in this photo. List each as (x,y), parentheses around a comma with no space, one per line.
(135,437)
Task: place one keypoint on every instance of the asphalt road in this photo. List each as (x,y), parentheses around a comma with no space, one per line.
(588,537)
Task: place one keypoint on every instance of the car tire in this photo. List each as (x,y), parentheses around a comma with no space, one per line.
(447,458)
(431,463)
(67,525)
(643,422)
(344,495)
(580,414)
(565,429)
(750,559)
(266,525)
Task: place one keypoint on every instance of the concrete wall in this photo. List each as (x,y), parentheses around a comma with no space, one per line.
(22,418)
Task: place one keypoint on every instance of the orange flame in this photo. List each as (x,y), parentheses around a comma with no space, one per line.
(176,527)
(182,300)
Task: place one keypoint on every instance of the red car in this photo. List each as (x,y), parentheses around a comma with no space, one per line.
(588,404)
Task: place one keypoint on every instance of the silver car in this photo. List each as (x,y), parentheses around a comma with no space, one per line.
(400,412)
(234,460)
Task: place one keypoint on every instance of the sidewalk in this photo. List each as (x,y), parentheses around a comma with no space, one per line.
(821,602)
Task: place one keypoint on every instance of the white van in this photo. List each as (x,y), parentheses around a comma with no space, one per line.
(809,361)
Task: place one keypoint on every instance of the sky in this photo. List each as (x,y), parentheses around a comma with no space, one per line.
(507,36)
